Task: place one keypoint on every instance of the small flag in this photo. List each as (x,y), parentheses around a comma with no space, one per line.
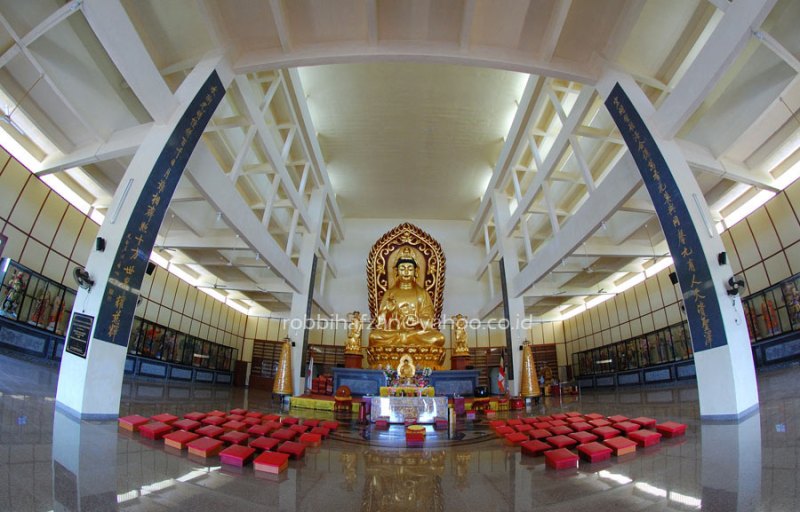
(310,373)
(501,377)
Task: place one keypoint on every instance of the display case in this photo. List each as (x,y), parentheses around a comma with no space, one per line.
(33,299)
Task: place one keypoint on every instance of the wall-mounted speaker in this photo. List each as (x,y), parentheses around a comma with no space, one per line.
(100,244)
(673,277)
(722,258)
(151,267)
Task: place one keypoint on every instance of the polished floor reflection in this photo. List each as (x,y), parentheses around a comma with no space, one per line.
(52,462)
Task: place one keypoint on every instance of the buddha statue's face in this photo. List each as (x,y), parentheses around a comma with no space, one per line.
(405,272)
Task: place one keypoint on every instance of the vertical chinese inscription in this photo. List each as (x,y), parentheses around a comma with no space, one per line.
(699,297)
(122,291)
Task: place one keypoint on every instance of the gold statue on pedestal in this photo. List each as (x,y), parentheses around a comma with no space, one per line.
(353,345)
(460,336)
(529,385)
(283,377)
(406,283)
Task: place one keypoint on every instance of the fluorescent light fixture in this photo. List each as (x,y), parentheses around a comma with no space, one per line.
(657,267)
(630,282)
(598,300)
(214,293)
(572,312)
(97,216)
(788,177)
(64,191)
(159,260)
(748,207)
(183,275)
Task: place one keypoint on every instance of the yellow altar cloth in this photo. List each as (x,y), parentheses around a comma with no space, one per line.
(407,391)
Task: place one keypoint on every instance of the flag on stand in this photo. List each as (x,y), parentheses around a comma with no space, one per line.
(501,377)
(309,373)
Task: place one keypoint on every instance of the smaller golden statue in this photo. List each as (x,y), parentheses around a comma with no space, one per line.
(460,335)
(283,377)
(353,345)
(406,369)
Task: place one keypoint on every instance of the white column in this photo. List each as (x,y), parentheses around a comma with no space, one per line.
(726,378)
(90,387)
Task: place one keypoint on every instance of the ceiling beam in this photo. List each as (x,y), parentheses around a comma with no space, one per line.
(281,25)
(466,24)
(185,240)
(555,26)
(114,29)
(701,158)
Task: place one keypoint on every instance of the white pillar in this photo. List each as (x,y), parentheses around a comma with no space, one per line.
(90,383)
(723,359)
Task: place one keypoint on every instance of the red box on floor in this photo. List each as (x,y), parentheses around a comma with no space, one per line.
(236,455)
(210,431)
(187,425)
(323,432)
(534,447)
(205,447)
(154,430)
(523,428)
(213,420)
(515,438)
(593,416)
(617,418)
(620,445)
(258,430)
(179,439)
(217,412)
(513,422)
(575,419)
(626,426)
(240,412)
(289,421)
(561,430)
(196,416)
(132,422)
(645,422)
(164,418)
(250,421)
(284,434)
(583,437)
(594,452)
(330,424)
(311,422)
(580,426)
(264,443)
(295,450)
(605,432)
(235,425)
(300,429)
(645,438)
(253,414)
(561,459)
(559,416)
(561,441)
(235,417)
(540,433)
(271,462)
(235,437)
(310,439)
(671,429)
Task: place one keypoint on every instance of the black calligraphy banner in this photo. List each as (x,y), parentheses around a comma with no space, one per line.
(699,297)
(117,308)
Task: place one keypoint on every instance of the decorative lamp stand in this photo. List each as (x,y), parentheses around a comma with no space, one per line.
(459,362)
(353,360)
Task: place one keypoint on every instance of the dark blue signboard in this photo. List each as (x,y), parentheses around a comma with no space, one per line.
(122,291)
(699,296)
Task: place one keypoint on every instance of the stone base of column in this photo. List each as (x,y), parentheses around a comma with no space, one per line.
(459,362)
(353,360)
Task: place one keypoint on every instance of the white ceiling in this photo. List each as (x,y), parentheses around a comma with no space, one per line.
(402,109)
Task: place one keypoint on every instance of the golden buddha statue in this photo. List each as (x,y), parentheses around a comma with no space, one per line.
(353,345)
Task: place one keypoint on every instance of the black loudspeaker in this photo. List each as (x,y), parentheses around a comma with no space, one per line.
(151,267)
(722,258)
(100,244)
(673,277)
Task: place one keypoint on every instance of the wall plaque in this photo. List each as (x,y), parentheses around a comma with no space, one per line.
(80,332)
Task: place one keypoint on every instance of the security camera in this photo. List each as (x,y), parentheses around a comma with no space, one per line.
(735,285)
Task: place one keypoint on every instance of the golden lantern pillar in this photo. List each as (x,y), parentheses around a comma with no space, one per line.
(282,386)
(529,382)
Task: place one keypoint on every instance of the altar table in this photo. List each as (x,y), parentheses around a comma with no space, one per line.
(396,409)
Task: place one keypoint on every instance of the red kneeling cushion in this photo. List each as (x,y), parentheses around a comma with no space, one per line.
(205,447)
(593,416)
(164,418)
(580,426)
(235,417)
(179,438)
(671,429)
(210,431)
(132,422)
(311,422)
(544,418)
(217,412)
(234,437)
(626,426)
(501,431)
(253,414)
(561,430)
(559,416)
(542,424)
(155,430)
(575,419)
(583,437)
(250,421)
(237,426)
(573,414)
(213,420)
(617,418)
(535,447)
(270,417)
(297,450)
(497,423)
(240,412)
(290,420)
(236,455)
(284,434)
(258,430)
(529,421)
(594,452)
(271,425)
(196,416)
(558,423)
(330,424)
(300,429)
(271,462)
(540,433)
(513,421)
(561,459)
(187,425)
(523,428)
(264,443)
(324,432)
(605,432)
(620,445)
(645,438)
(645,422)
(599,423)
(561,441)
(516,438)
(310,439)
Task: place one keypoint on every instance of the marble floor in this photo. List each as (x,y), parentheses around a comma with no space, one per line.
(49,461)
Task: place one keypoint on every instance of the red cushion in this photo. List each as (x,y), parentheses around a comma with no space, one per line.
(559,416)
(258,430)
(617,418)
(501,431)
(561,459)
(626,426)
(593,416)
(284,434)
(240,412)
(594,452)
(535,447)
(300,428)
(213,420)
(645,438)
(271,425)
(237,426)
(322,431)
(529,421)
(544,418)
(132,422)
(235,417)
(620,445)
(561,441)
(542,424)
(164,418)
(583,437)
(234,437)
(187,425)
(236,455)
(217,412)
(290,420)
(573,414)
(671,429)
(250,421)
(271,462)
(179,438)
(605,432)
(270,417)
(561,430)
(516,438)
(311,422)
(264,443)
(155,430)
(540,433)
(558,423)
(523,428)
(599,423)
(210,431)
(196,416)
(295,450)
(645,422)
(580,426)
(253,414)
(205,447)
(575,419)
(497,423)
(310,439)
(330,424)
(513,421)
